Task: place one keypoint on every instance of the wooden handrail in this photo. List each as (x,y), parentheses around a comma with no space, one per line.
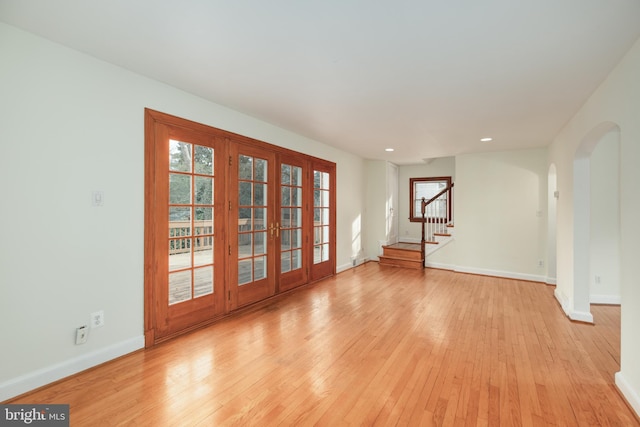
(423,210)
(431,200)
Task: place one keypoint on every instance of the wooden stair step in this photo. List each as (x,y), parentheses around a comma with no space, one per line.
(404,246)
(401,262)
(402,253)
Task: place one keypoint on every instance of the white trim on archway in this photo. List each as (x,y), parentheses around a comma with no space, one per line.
(578,308)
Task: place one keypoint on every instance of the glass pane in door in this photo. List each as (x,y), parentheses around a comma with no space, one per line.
(252,209)
(321,215)
(290,218)
(191,210)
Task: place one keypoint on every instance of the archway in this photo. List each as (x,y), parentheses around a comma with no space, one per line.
(591,214)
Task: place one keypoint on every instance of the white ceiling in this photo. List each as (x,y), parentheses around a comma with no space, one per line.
(428,78)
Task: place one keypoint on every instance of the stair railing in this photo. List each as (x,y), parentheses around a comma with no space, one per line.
(436,214)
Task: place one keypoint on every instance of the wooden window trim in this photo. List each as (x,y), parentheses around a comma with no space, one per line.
(412,181)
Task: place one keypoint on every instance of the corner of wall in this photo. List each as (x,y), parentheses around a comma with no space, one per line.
(567,307)
(629,394)
(562,300)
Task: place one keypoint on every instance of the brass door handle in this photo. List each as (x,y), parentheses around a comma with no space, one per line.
(275,228)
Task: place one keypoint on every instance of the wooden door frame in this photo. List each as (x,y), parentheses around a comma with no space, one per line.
(151,271)
(152,265)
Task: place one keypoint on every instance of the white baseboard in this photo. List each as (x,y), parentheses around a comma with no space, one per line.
(24,383)
(485,272)
(628,392)
(579,316)
(345,267)
(605,299)
(499,273)
(439,265)
(550,281)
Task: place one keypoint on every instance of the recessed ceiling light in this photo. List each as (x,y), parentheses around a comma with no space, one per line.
(388,149)
(486,139)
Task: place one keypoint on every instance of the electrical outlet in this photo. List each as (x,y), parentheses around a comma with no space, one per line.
(82,334)
(540,263)
(97,319)
(598,279)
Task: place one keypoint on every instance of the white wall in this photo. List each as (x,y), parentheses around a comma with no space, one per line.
(391,205)
(552,214)
(615,104)
(376,192)
(350,210)
(604,210)
(71,124)
(500,213)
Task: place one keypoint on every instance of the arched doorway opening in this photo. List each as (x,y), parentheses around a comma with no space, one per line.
(596,221)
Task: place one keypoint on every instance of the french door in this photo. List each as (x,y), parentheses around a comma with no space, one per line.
(253,228)
(292,222)
(229,221)
(323,221)
(266,224)
(187,229)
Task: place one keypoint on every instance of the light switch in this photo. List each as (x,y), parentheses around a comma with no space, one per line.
(97,198)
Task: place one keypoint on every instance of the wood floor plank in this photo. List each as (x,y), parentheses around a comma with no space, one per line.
(372,346)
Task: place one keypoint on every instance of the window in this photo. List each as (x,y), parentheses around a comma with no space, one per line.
(429,188)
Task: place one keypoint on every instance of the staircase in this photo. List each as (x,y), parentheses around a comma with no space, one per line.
(409,255)
(436,232)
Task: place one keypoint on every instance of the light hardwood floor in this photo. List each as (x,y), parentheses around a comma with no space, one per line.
(372,346)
